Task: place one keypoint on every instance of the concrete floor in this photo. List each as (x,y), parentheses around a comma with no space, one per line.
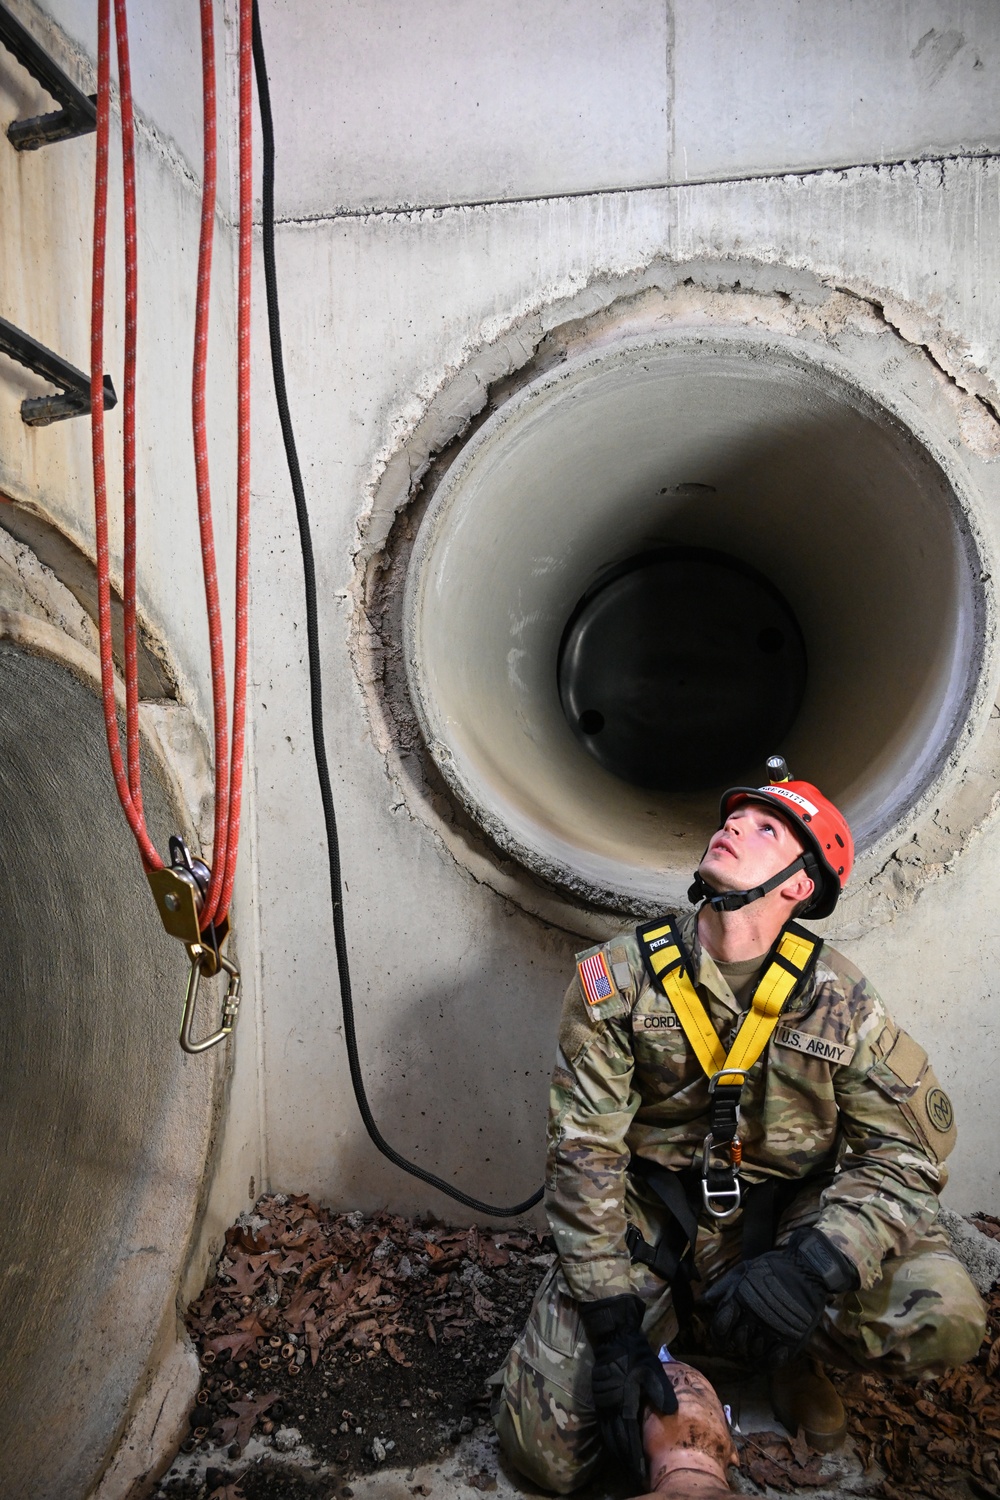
(477,1457)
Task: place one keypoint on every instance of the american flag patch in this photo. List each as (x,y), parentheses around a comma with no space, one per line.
(595,979)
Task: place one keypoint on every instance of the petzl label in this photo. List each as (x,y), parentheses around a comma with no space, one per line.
(813,1046)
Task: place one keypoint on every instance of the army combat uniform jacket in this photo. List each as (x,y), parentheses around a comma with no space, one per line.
(840,1093)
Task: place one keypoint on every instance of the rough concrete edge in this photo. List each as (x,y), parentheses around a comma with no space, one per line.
(31,524)
(978,1252)
(169,729)
(405,462)
(158,1419)
(921,843)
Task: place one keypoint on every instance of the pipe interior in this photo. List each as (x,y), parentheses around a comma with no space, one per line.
(745,449)
(103,1151)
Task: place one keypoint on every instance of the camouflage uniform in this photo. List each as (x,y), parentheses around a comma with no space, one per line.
(841,1099)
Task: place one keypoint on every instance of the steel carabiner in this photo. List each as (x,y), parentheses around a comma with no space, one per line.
(200,958)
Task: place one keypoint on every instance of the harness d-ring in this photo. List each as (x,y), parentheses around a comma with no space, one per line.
(721,1202)
(200,956)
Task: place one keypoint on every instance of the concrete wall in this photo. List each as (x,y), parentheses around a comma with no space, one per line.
(453,185)
(458,206)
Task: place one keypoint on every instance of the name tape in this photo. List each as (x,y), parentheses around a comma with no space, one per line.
(813,1046)
(657,1021)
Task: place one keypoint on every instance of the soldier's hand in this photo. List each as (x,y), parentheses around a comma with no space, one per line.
(766,1309)
(627,1375)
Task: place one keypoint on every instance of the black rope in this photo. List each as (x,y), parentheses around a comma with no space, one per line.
(315,666)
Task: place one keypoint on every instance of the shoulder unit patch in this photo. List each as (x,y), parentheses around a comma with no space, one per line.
(595,978)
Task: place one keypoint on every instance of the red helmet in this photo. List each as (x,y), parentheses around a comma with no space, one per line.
(821,825)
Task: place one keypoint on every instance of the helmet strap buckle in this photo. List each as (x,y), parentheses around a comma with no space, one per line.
(726,901)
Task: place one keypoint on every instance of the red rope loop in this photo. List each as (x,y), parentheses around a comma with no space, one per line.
(132,806)
(228,757)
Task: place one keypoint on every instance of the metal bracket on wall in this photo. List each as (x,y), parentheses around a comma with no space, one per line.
(78,115)
(73,397)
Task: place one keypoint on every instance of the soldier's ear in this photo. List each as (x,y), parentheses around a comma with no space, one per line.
(799,888)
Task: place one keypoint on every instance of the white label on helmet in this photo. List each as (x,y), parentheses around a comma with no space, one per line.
(782,791)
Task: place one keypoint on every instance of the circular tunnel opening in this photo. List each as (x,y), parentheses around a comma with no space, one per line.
(672,695)
(583,676)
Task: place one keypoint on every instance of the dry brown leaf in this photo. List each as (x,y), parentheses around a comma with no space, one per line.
(370,1289)
(782,1463)
(244,1279)
(491,1254)
(318,1265)
(240,1340)
(295,1312)
(246,1415)
(483,1307)
(395,1352)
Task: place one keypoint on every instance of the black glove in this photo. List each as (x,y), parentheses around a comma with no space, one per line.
(625,1371)
(766,1308)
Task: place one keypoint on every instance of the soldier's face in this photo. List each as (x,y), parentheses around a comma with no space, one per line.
(753,844)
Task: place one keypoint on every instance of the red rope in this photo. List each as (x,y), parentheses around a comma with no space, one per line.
(131,328)
(215,641)
(132,807)
(243,449)
(228,760)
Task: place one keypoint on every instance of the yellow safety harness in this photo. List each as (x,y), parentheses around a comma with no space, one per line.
(789,963)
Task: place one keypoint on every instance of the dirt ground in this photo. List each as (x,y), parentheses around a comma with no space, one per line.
(371,1339)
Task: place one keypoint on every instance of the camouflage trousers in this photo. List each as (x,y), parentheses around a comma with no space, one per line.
(924,1315)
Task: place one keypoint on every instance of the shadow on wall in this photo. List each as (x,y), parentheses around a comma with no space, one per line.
(459,1083)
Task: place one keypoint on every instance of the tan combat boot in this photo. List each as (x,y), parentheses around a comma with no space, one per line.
(802,1395)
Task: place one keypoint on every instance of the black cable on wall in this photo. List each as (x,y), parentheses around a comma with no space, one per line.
(315,664)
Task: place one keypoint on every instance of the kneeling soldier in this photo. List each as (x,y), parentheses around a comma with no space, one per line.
(740,1141)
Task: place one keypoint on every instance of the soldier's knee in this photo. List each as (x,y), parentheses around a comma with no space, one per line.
(940,1324)
(546,1430)
(924,1316)
(956,1333)
(536,1449)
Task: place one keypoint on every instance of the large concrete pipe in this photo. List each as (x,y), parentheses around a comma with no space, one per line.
(107,1125)
(731,548)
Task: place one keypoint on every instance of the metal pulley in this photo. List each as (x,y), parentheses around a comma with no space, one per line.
(179,891)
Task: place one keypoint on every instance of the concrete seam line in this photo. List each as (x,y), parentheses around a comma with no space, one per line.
(404,210)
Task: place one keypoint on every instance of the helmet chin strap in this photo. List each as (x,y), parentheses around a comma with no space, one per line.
(700,890)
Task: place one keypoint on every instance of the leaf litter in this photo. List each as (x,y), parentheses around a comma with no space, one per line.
(373,1336)
(937,1438)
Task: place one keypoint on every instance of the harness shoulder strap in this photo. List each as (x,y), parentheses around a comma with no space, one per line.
(790,963)
(669,969)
